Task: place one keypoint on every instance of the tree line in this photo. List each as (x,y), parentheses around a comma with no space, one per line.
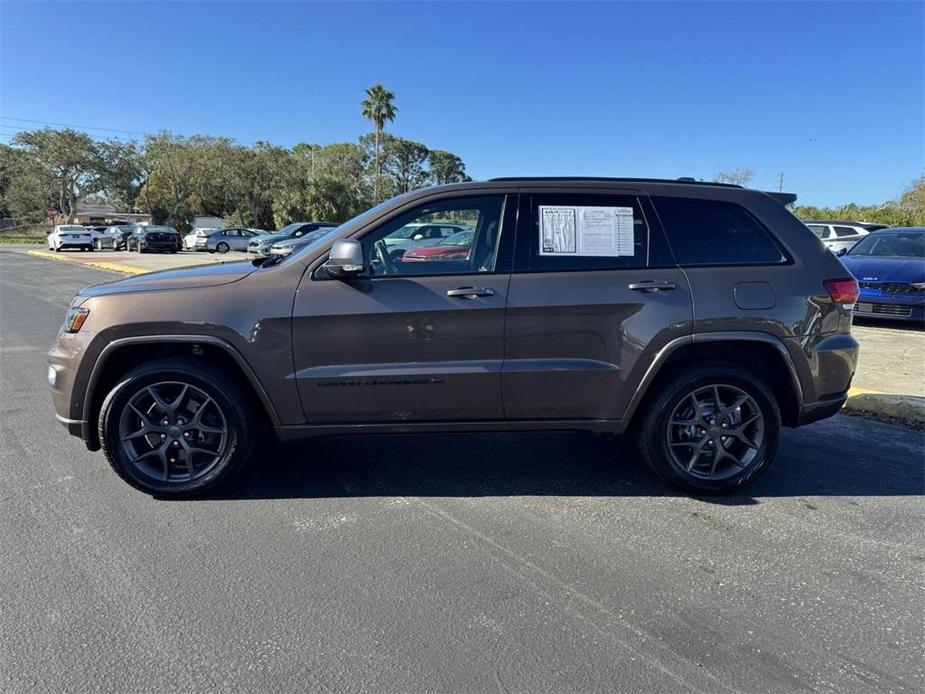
(906,210)
(174,178)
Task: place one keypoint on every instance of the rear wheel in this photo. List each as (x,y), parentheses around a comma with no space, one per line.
(176,427)
(223,247)
(714,430)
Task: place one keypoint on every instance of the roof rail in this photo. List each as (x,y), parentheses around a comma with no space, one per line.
(685,180)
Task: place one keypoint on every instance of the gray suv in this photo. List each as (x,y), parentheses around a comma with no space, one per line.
(698,318)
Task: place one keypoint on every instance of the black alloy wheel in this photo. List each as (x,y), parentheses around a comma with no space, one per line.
(176,427)
(712,429)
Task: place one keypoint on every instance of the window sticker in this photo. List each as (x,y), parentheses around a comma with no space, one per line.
(586,231)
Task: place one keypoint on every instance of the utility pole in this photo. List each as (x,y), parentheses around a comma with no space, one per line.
(780,183)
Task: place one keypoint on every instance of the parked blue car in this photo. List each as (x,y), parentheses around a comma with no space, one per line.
(889,266)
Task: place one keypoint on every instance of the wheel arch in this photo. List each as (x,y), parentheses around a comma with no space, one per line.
(122,354)
(762,353)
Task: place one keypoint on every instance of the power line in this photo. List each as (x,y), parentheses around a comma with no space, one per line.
(72,125)
(138,134)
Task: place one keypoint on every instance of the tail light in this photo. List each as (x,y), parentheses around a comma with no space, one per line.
(842,291)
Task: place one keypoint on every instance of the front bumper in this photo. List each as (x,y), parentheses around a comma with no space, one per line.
(879,304)
(64,359)
(258,252)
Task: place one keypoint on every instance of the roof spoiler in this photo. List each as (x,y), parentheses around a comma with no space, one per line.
(782,198)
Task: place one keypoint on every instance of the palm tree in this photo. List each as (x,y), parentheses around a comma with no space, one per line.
(378,107)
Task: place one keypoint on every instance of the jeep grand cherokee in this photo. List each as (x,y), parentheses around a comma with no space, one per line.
(698,318)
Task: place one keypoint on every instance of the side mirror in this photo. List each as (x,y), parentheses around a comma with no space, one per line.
(840,252)
(345,259)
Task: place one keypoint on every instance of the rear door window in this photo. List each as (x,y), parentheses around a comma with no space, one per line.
(842,232)
(715,232)
(579,231)
(820,230)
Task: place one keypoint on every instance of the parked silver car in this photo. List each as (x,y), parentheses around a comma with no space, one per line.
(113,237)
(233,239)
(292,245)
(260,247)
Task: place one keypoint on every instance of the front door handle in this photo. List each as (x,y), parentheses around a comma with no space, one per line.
(651,286)
(470,292)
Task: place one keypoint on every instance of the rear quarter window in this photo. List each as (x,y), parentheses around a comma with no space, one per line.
(714,232)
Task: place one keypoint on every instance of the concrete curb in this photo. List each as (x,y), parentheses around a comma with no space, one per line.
(901,409)
(99,264)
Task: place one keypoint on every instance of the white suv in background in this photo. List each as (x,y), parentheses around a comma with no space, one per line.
(70,236)
(841,235)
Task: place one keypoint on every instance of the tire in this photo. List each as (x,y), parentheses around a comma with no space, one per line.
(669,447)
(223,247)
(230,409)
(90,249)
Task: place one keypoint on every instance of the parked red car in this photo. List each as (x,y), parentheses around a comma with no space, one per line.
(455,247)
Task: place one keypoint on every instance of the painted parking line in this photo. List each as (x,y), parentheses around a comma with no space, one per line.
(99,264)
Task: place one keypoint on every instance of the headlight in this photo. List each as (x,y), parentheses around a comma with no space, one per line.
(76,316)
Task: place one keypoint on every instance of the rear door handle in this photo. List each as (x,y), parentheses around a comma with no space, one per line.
(470,292)
(651,286)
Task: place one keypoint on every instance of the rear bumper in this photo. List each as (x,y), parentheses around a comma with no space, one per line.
(825,366)
(824,409)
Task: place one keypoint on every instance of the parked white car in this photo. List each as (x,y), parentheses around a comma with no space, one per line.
(70,236)
(838,236)
(196,239)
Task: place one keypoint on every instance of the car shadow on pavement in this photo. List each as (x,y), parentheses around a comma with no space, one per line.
(551,464)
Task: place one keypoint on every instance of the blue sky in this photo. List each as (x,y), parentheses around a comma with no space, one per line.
(832,94)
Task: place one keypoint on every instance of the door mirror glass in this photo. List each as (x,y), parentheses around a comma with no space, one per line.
(841,251)
(346,259)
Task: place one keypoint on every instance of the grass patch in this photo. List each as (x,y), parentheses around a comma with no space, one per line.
(28,234)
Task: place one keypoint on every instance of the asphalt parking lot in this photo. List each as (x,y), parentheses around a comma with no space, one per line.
(527,562)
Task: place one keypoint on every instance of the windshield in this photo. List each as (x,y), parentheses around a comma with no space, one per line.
(72,228)
(288,229)
(896,245)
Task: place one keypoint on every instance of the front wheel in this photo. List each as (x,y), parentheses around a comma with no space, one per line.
(176,427)
(713,430)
